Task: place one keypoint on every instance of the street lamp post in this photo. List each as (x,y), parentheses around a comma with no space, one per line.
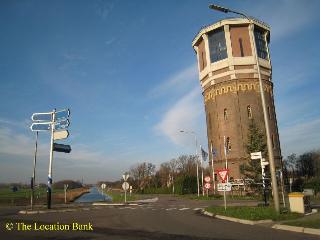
(265,115)
(196,142)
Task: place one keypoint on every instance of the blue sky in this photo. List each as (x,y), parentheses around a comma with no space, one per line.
(127,71)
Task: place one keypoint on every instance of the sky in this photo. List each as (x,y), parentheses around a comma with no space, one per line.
(128,73)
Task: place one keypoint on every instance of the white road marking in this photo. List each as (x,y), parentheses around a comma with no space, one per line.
(196,209)
(182,209)
(169,209)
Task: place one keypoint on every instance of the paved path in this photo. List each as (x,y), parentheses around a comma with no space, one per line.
(168,218)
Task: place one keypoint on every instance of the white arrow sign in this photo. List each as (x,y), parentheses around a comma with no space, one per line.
(58,135)
(256,155)
(47,116)
(40,126)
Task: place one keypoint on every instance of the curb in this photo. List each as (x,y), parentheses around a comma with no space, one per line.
(297,229)
(48,211)
(243,221)
(275,226)
(115,204)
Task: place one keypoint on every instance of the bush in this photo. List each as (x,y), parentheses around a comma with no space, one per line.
(186,184)
(313,183)
(163,190)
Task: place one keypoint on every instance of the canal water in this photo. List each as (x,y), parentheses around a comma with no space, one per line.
(93,196)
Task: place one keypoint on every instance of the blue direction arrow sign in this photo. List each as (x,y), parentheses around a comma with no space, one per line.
(40,126)
(62,124)
(62,114)
(43,117)
(61,148)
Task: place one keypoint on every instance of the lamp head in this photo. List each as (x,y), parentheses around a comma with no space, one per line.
(219,8)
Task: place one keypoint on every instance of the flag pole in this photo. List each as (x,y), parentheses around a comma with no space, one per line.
(213,179)
(202,171)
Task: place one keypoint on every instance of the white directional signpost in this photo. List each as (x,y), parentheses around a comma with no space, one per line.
(125,185)
(57,122)
(263,163)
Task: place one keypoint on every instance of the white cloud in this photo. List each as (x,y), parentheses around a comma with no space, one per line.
(287,16)
(177,82)
(301,137)
(184,115)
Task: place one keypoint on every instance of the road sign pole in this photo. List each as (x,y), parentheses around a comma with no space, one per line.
(34,170)
(225,199)
(50,162)
(125,196)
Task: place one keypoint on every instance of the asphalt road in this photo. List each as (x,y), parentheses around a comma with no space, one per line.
(169,218)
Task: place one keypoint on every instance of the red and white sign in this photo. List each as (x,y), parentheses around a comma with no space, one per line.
(207,179)
(223,173)
(207,186)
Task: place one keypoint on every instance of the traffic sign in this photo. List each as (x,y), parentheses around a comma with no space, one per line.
(125,177)
(59,135)
(62,124)
(223,173)
(61,148)
(103,185)
(207,185)
(224,187)
(256,155)
(47,116)
(40,126)
(125,186)
(62,114)
(207,179)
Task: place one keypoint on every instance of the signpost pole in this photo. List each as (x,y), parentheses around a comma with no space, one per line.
(225,198)
(34,170)
(50,161)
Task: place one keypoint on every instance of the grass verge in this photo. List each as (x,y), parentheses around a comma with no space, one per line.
(306,223)
(253,213)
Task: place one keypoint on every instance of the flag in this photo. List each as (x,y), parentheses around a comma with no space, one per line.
(213,151)
(204,154)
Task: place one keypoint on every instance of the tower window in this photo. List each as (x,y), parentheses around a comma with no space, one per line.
(261,43)
(241,47)
(225,114)
(269,112)
(202,58)
(217,45)
(272,139)
(249,111)
(228,144)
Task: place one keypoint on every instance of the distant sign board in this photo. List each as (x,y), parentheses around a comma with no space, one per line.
(256,155)
(224,187)
(207,185)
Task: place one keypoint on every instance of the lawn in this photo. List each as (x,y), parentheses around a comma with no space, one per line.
(253,213)
(310,221)
(118,197)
